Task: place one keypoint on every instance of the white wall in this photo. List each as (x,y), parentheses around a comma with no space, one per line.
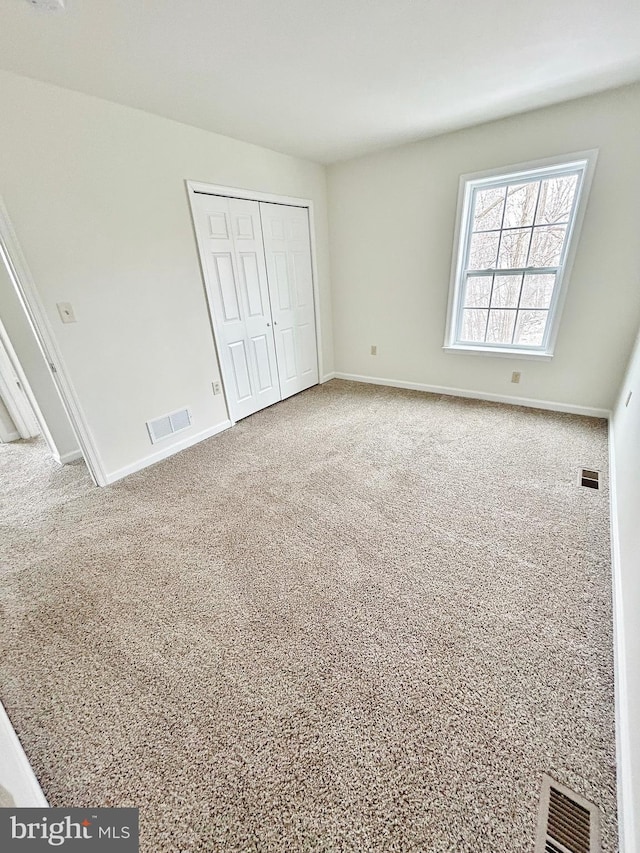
(35,368)
(96,194)
(625,442)
(392,219)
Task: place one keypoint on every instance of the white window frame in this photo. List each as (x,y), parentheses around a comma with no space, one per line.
(581,162)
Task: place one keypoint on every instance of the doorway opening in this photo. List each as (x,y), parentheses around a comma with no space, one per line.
(18,419)
(36,413)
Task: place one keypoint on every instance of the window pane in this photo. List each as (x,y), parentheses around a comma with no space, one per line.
(530,327)
(474,322)
(500,327)
(546,245)
(537,291)
(515,241)
(506,291)
(483,251)
(556,199)
(478,291)
(488,209)
(521,204)
(514,246)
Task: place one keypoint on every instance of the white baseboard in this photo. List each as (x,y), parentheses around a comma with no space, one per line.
(626,824)
(165,452)
(11,436)
(16,774)
(327,377)
(69,457)
(548,405)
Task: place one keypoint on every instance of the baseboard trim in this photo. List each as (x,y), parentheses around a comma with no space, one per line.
(166,452)
(626,824)
(16,774)
(327,377)
(547,405)
(70,457)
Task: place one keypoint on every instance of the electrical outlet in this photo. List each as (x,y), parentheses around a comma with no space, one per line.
(374,349)
(65,310)
(515,376)
(216,388)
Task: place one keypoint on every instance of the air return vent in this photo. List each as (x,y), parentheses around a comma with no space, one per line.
(588,478)
(165,426)
(567,823)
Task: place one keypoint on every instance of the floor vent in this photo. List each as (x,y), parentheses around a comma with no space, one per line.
(588,478)
(167,425)
(567,823)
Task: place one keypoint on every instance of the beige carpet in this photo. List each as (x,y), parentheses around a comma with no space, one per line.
(362,620)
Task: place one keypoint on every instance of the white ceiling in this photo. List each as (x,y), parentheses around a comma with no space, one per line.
(327,79)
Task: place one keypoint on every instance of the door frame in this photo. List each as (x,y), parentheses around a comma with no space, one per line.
(17,396)
(195,187)
(12,257)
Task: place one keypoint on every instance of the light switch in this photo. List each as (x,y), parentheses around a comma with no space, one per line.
(65,309)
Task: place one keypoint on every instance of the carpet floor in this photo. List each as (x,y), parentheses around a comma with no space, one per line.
(364,619)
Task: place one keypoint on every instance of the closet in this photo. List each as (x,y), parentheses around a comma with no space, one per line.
(256,261)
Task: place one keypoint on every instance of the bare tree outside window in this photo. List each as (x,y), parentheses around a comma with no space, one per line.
(515,248)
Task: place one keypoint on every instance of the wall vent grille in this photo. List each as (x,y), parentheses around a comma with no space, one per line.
(163,427)
(567,823)
(588,478)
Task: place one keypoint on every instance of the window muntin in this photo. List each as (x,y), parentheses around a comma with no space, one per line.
(516,234)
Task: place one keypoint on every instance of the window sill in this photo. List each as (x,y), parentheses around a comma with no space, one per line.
(501,353)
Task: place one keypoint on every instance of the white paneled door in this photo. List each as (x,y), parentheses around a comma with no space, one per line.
(230,237)
(288,253)
(257,263)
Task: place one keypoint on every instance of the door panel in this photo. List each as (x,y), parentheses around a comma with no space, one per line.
(226,281)
(251,275)
(244,226)
(308,353)
(288,254)
(282,281)
(218,226)
(266,380)
(302,279)
(240,364)
(230,240)
(288,343)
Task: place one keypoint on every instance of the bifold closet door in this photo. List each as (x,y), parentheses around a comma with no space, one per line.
(287,247)
(230,238)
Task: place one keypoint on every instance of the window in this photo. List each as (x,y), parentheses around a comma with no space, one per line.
(517,236)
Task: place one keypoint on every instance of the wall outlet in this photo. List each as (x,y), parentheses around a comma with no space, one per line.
(515,376)
(374,349)
(65,310)
(217,388)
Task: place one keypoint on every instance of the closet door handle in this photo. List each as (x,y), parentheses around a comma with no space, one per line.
(268,324)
